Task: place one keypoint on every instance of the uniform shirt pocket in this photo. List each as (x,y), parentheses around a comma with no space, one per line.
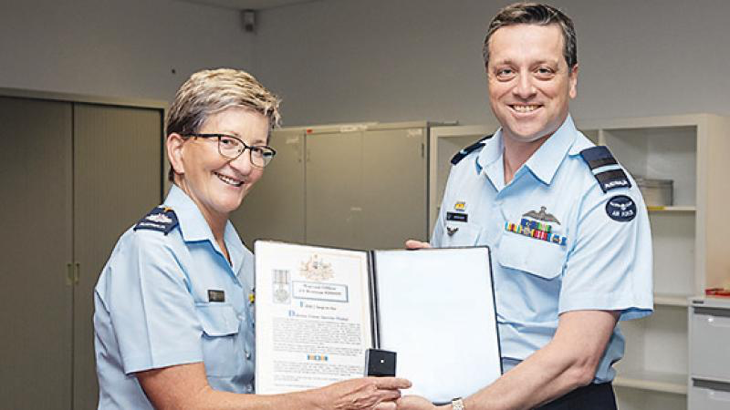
(536,257)
(459,234)
(220,328)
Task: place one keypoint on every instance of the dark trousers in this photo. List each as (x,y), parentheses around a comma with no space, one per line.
(591,397)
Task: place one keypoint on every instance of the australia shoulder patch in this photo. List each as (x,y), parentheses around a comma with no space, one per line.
(621,208)
(162,219)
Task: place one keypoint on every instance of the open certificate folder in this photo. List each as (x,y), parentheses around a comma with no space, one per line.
(318,309)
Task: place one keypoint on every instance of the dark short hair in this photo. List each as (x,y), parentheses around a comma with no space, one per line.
(538,14)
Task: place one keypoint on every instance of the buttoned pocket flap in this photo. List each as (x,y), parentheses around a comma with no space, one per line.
(531,255)
(218,319)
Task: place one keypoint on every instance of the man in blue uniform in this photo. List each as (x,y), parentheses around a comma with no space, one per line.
(567,226)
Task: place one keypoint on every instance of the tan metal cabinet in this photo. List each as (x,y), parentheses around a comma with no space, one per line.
(74,177)
(274,209)
(359,186)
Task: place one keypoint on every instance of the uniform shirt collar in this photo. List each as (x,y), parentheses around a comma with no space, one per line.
(194,227)
(543,163)
(489,160)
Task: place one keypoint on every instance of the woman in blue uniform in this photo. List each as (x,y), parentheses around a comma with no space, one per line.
(174,311)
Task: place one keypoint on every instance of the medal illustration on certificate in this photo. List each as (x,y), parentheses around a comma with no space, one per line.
(281,279)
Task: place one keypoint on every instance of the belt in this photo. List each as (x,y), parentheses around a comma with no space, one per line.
(591,397)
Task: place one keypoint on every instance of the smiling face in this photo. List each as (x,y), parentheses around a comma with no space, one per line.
(217,184)
(530,83)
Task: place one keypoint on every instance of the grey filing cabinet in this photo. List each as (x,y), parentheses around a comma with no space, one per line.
(709,351)
(274,209)
(360,186)
(75,175)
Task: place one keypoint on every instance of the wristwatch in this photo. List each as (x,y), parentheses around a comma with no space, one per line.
(457,404)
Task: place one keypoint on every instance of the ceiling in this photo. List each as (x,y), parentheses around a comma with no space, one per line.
(249,4)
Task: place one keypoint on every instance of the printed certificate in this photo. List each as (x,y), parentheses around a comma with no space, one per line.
(318,309)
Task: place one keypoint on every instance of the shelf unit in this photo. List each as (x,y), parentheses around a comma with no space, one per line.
(690,249)
(690,253)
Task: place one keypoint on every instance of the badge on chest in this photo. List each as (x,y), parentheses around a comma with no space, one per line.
(457,215)
(216,295)
(538,225)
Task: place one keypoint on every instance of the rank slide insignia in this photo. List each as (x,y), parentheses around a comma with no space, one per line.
(161,219)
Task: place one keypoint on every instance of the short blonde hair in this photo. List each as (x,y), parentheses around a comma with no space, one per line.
(210,91)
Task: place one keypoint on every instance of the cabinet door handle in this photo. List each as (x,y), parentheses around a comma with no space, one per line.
(721,389)
(69,274)
(73,271)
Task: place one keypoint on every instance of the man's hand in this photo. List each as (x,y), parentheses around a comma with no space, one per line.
(415,403)
(413,244)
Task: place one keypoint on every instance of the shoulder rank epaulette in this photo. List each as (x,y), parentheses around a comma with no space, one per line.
(161,219)
(468,150)
(605,168)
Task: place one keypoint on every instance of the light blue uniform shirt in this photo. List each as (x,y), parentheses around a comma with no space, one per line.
(153,308)
(601,264)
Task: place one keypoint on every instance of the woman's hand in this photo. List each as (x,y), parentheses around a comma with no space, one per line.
(366,393)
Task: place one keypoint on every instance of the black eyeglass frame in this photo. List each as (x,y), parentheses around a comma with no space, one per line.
(250,148)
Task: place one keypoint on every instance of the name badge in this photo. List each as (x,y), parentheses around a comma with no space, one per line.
(457,216)
(216,295)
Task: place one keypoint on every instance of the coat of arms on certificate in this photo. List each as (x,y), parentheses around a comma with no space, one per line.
(316,269)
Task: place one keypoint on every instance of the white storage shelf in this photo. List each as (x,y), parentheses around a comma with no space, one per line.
(689,255)
(675,383)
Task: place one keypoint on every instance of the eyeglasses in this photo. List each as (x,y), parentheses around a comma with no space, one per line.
(232,147)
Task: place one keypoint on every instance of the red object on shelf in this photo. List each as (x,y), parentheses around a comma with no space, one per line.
(717,292)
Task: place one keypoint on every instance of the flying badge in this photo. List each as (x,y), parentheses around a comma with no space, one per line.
(451,230)
(535,225)
(161,219)
(621,208)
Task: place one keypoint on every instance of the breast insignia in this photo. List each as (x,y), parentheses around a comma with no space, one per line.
(161,218)
(534,224)
(542,215)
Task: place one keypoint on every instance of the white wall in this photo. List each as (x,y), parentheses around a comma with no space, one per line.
(366,60)
(342,61)
(115,48)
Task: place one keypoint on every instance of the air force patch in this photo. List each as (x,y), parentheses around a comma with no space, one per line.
(161,219)
(621,208)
